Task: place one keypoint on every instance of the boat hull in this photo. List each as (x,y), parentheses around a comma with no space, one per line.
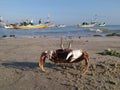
(85,26)
(9,26)
(26,27)
(101,25)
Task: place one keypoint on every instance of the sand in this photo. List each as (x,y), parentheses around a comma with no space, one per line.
(19,68)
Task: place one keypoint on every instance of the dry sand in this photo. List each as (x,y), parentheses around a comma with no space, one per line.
(19,68)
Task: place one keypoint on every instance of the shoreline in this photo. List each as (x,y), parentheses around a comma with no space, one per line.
(67,36)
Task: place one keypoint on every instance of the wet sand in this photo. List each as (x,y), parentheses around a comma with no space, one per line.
(19,68)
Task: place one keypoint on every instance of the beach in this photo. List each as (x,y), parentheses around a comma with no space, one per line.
(19,69)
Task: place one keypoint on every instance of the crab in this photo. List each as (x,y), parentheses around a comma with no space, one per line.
(64,55)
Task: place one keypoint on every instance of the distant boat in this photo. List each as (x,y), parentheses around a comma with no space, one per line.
(101,24)
(86,25)
(61,25)
(41,26)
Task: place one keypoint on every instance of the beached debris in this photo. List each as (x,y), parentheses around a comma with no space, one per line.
(12,35)
(110,52)
(4,36)
(113,34)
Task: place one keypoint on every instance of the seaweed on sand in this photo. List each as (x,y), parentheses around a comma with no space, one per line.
(113,34)
(110,52)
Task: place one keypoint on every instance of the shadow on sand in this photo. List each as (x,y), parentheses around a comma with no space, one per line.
(25,65)
(21,65)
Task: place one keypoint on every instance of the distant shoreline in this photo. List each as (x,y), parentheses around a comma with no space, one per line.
(69,31)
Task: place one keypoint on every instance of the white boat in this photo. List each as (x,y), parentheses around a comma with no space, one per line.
(86,25)
(101,24)
(61,25)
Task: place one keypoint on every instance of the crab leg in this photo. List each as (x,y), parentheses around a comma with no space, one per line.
(86,57)
(42,60)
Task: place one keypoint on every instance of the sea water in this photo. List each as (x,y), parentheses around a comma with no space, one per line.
(68,31)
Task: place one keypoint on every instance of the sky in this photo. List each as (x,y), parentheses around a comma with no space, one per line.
(68,12)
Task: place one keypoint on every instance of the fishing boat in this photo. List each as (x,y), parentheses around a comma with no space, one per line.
(61,25)
(101,24)
(40,26)
(86,25)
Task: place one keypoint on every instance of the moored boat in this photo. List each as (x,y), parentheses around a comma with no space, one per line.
(86,25)
(61,25)
(101,24)
(40,26)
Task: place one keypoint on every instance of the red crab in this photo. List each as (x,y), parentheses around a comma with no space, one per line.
(64,55)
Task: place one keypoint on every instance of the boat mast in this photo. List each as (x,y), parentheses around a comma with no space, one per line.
(95,18)
(48,18)
(1,19)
